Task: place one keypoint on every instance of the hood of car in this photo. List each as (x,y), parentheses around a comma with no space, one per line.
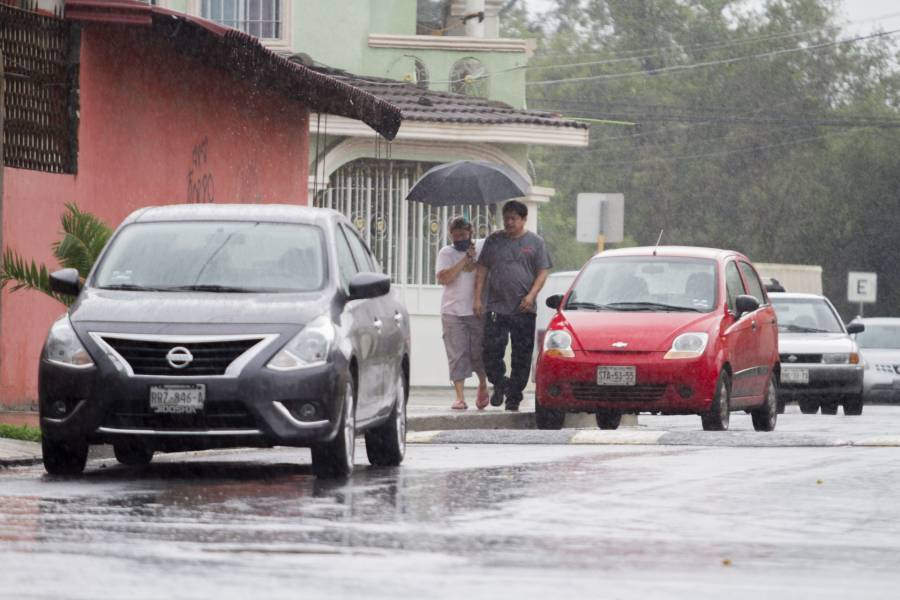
(814,343)
(201,308)
(879,356)
(633,331)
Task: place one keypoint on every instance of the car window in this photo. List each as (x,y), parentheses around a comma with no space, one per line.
(215,256)
(361,254)
(880,336)
(734,287)
(753,283)
(645,283)
(346,266)
(806,315)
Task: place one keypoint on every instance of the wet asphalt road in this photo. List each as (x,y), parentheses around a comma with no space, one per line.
(469,521)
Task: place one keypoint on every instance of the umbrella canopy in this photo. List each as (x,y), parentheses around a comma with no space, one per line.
(468,182)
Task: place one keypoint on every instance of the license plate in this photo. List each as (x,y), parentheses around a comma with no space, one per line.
(177,399)
(616,376)
(795,375)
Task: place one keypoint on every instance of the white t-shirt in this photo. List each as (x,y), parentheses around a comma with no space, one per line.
(459,296)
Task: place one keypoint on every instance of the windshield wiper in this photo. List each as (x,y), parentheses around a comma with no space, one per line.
(131,287)
(589,306)
(651,306)
(210,288)
(801,329)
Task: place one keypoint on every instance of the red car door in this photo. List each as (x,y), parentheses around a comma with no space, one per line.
(766,327)
(741,342)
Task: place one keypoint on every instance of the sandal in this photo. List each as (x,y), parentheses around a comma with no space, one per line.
(459,405)
(483,399)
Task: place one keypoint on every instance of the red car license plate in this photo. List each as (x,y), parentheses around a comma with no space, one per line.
(616,376)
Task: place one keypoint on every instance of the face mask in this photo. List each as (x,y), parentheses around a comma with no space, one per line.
(462,245)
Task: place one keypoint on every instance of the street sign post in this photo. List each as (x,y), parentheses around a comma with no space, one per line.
(600,218)
(862,288)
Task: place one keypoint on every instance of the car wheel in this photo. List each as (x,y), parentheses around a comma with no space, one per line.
(334,459)
(608,420)
(829,408)
(765,417)
(548,418)
(386,444)
(808,407)
(780,407)
(64,457)
(853,406)
(132,454)
(719,414)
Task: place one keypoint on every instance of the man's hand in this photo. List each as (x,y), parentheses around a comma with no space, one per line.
(526,304)
(477,308)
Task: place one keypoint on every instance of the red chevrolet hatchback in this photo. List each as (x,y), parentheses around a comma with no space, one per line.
(667,330)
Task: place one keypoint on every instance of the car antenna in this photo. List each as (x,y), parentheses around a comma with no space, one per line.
(658,240)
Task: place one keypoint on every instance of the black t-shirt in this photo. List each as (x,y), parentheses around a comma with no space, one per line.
(513,265)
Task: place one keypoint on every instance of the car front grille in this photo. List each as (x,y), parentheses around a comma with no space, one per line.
(786,359)
(148,357)
(589,392)
(222,415)
(894,369)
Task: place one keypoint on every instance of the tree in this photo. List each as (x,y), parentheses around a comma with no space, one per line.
(84,237)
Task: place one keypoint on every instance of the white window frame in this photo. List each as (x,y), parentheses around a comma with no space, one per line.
(282,43)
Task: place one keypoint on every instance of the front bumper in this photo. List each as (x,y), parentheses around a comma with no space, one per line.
(259,407)
(661,386)
(824,381)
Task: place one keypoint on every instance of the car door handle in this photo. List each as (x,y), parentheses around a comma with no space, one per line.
(378,324)
(753,325)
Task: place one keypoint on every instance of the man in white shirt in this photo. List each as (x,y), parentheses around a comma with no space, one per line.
(463,330)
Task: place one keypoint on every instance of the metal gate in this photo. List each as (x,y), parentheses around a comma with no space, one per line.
(405,236)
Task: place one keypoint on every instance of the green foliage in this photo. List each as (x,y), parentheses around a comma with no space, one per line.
(20,432)
(84,237)
(766,147)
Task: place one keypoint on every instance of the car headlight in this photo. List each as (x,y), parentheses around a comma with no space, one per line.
(558,343)
(688,345)
(841,358)
(63,346)
(309,348)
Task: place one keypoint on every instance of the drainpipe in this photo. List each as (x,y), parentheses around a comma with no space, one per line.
(474,18)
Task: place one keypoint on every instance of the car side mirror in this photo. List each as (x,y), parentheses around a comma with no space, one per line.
(369,285)
(744,304)
(855,327)
(66,282)
(554,301)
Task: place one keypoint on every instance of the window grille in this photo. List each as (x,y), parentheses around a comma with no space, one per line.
(260,18)
(404,236)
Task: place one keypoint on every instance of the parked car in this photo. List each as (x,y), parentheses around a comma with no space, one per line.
(556,283)
(209,326)
(820,364)
(666,330)
(879,347)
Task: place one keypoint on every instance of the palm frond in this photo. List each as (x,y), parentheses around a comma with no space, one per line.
(14,268)
(84,238)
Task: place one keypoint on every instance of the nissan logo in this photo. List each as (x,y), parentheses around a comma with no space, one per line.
(179,357)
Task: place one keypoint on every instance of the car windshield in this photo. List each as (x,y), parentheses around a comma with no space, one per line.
(879,336)
(805,315)
(645,284)
(215,257)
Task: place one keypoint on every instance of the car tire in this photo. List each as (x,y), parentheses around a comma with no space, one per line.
(548,418)
(334,459)
(765,417)
(853,406)
(64,457)
(608,419)
(808,407)
(781,405)
(829,408)
(386,444)
(132,454)
(719,415)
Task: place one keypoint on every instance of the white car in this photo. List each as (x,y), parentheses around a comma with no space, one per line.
(820,362)
(880,348)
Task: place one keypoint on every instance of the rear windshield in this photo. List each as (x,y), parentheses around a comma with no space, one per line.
(215,256)
(805,315)
(879,336)
(645,284)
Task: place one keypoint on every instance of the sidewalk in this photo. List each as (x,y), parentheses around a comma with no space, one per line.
(428,410)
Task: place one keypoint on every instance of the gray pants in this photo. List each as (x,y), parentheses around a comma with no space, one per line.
(462,339)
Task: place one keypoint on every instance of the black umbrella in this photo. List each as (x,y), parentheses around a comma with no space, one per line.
(468,182)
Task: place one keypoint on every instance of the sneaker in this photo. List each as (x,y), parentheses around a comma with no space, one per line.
(497,397)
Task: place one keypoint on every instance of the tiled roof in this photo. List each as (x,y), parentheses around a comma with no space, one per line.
(245,58)
(418,104)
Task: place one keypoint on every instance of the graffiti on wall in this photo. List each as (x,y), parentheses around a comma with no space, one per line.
(200,185)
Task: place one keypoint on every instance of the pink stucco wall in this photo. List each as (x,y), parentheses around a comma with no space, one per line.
(156,127)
